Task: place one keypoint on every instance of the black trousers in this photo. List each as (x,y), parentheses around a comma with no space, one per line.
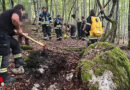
(91,41)
(7,42)
(79,32)
(20,40)
(15,46)
(58,33)
(83,35)
(73,33)
(46,30)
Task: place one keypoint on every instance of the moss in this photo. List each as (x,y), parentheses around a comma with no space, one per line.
(111,58)
(94,87)
(129,44)
(87,64)
(26,58)
(99,45)
(79,50)
(26,47)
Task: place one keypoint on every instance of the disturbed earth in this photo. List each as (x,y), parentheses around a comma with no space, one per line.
(60,65)
(58,69)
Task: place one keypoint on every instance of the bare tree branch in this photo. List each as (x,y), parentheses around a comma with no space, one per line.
(71,10)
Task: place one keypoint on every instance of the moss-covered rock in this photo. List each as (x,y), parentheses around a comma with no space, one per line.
(101,58)
(26,47)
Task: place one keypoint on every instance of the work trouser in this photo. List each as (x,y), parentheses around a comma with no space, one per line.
(91,40)
(20,39)
(7,42)
(4,63)
(83,34)
(73,33)
(79,33)
(15,47)
(46,31)
(4,52)
(58,33)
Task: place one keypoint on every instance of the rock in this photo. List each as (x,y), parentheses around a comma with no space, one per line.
(69,76)
(41,70)
(19,70)
(105,81)
(53,87)
(104,66)
(35,87)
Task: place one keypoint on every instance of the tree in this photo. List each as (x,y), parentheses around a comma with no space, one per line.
(129,26)
(36,8)
(11,3)
(19,1)
(29,10)
(3,5)
(114,22)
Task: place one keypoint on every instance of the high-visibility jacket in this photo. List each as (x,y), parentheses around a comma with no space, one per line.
(58,23)
(44,18)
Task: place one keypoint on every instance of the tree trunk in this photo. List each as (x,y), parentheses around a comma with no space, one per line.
(89,5)
(63,8)
(36,20)
(11,3)
(29,11)
(116,17)
(56,11)
(71,10)
(84,8)
(19,1)
(51,7)
(46,4)
(129,26)
(3,5)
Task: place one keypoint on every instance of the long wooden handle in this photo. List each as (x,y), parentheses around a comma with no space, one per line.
(35,41)
(41,44)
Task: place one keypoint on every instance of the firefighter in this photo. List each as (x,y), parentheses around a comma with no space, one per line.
(10,20)
(79,28)
(72,29)
(93,28)
(82,25)
(58,27)
(45,19)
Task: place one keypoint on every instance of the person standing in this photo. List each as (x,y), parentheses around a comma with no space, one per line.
(45,19)
(58,27)
(79,28)
(82,25)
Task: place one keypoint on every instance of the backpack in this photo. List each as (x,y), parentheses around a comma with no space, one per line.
(96,27)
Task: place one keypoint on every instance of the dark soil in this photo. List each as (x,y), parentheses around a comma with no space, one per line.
(60,62)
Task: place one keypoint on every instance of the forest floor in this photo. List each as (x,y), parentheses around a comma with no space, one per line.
(60,62)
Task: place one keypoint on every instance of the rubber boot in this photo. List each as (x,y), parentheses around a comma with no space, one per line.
(8,80)
(19,62)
